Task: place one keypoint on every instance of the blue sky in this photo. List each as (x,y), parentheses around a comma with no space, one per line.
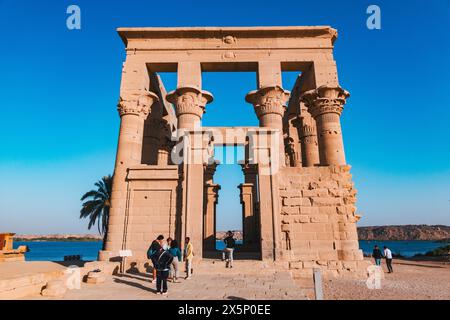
(59,88)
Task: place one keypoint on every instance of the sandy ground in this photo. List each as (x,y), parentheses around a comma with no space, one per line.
(410,280)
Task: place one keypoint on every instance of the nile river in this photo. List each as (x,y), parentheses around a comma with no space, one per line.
(56,250)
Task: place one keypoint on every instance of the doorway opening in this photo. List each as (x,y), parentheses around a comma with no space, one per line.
(231,204)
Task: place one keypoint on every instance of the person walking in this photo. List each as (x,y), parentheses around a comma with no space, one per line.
(162,264)
(154,248)
(188,256)
(230,244)
(388,257)
(377,255)
(174,266)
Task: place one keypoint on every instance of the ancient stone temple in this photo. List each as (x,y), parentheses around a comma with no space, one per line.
(298,199)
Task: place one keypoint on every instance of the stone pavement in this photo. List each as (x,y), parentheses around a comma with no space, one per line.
(218,285)
(200,287)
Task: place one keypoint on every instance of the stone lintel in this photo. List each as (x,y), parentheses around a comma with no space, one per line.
(146,172)
(228,36)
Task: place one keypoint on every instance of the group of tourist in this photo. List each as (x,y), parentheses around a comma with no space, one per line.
(378,255)
(166,258)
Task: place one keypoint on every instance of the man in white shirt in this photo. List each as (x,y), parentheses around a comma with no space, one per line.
(388,255)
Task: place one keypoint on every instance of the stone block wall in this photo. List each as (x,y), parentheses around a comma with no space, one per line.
(318,221)
(151,210)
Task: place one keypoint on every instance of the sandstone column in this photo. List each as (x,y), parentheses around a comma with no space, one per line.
(190,102)
(209,227)
(269,104)
(294,148)
(252,223)
(165,143)
(211,195)
(308,138)
(248,217)
(189,105)
(326,104)
(134,107)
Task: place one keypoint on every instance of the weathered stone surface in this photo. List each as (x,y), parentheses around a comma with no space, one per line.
(95,278)
(305,195)
(54,288)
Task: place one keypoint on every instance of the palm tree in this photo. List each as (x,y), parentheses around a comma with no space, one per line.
(96,208)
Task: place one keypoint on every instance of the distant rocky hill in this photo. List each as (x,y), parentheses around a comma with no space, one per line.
(57,237)
(405,232)
(221,235)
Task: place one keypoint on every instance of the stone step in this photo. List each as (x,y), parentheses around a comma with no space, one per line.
(27,284)
(239,266)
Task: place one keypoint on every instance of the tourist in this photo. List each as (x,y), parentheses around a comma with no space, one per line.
(155,247)
(188,256)
(388,256)
(163,260)
(166,245)
(229,249)
(174,267)
(377,255)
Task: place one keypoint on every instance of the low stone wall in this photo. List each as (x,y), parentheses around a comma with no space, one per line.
(318,221)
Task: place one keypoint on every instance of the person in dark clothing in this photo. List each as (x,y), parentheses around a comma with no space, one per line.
(388,255)
(230,244)
(377,255)
(162,263)
(155,247)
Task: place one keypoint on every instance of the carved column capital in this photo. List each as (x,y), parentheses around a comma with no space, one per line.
(307,126)
(209,170)
(268,100)
(137,102)
(249,169)
(325,100)
(189,100)
(212,192)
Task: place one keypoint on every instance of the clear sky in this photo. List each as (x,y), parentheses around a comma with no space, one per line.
(59,90)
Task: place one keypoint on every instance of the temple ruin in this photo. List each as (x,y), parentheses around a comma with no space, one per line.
(298,198)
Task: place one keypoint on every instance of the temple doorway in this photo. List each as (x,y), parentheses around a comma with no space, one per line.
(230,204)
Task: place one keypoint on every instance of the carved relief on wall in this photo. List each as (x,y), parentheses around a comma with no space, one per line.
(290,151)
(229,39)
(229,55)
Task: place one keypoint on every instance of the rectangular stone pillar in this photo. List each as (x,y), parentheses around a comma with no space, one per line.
(324,73)
(269,73)
(266,217)
(194,191)
(248,216)
(189,75)
(209,219)
(250,209)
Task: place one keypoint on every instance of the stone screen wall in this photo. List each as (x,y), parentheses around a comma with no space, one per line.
(318,220)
